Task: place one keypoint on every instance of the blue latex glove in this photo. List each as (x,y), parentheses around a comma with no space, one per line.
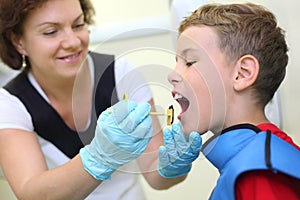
(122,134)
(176,156)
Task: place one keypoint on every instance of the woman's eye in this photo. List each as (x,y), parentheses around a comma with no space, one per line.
(50,32)
(190,63)
(78,26)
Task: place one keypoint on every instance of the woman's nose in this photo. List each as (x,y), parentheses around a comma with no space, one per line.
(71,40)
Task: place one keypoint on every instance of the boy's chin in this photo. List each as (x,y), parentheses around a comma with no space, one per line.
(186,129)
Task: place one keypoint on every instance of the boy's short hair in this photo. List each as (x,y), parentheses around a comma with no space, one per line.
(247,29)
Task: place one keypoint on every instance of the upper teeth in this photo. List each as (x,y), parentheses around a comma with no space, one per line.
(71,57)
(177,96)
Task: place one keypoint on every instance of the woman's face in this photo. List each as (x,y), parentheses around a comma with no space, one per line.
(55,39)
(199,80)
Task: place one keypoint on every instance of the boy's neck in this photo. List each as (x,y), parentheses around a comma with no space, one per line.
(245,111)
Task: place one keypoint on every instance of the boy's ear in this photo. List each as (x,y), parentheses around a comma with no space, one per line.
(247,68)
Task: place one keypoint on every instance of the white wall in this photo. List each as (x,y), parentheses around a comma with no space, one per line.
(157,51)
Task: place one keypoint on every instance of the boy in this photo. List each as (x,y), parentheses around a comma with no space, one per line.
(230,61)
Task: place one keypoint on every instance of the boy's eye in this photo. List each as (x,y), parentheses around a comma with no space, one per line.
(190,63)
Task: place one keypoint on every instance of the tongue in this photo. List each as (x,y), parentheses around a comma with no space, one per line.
(184,103)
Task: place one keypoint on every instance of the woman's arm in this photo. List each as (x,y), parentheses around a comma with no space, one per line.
(25,168)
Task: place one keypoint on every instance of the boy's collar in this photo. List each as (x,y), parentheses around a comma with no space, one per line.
(225,146)
(241,126)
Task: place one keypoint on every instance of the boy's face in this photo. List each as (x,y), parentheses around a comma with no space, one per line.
(200,79)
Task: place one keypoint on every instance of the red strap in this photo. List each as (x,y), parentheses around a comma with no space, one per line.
(279,133)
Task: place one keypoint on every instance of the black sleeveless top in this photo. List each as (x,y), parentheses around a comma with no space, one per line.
(47,122)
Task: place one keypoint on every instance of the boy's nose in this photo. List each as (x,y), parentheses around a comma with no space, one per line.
(174,77)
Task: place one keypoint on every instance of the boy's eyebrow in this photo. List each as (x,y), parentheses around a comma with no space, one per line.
(186,51)
(182,54)
(56,23)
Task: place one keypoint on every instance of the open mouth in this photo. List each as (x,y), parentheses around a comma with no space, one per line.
(183,102)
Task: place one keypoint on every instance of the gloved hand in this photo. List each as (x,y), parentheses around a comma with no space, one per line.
(122,134)
(176,156)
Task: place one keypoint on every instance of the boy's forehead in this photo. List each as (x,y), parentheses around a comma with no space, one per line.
(197,38)
(191,48)
(201,40)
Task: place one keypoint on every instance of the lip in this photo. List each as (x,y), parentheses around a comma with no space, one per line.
(71,58)
(182,101)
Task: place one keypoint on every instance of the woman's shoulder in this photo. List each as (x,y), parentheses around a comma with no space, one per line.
(13,113)
(7,99)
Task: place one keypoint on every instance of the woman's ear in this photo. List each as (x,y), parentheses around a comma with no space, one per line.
(247,68)
(18,43)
